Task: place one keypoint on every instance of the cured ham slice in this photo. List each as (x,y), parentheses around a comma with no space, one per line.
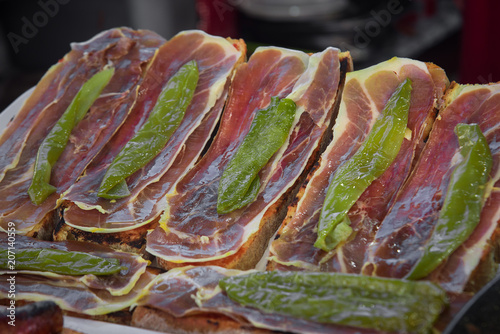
(183,295)
(128,52)
(117,284)
(365,94)
(191,230)
(405,230)
(216,59)
(72,295)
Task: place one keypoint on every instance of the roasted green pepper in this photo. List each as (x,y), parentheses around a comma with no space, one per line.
(240,184)
(373,157)
(352,300)
(53,145)
(60,262)
(154,134)
(463,201)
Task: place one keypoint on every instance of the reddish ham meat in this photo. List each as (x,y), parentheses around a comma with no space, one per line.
(194,291)
(128,52)
(192,230)
(365,95)
(216,59)
(406,228)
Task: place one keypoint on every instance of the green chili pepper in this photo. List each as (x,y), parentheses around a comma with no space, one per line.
(352,300)
(60,262)
(372,158)
(240,184)
(164,119)
(53,145)
(463,202)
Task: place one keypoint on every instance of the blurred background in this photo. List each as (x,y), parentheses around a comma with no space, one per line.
(461,36)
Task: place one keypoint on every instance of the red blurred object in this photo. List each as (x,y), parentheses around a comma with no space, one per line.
(480,42)
(217,17)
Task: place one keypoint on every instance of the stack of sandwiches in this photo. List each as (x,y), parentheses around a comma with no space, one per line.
(197,169)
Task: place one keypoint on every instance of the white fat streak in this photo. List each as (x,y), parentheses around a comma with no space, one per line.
(285,53)
(128,227)
(88,207)
(297,264)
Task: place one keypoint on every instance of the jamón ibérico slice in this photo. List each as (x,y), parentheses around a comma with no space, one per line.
(126,50)
(365,95)
(216,59)
(406,228)
(192,230)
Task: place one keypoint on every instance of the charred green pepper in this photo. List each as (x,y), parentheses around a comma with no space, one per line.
(463,201)
(60,262)
(53,145)
(352,300)
(154,134)
(372,158)
(240,184)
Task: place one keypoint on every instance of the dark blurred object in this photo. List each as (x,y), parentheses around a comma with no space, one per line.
(43,317)
(38,33)
(217,17)
(354,25)
(34,34)
(480,314)
(480,44)
(372,31)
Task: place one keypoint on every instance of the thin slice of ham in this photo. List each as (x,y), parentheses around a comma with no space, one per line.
(406,228)
(117,284)
(216,59)
(192,231)
(365,95)
(128,51)
(194,291)
(72,295)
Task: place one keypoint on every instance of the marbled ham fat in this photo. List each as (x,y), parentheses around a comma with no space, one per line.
(192,230)
(216,59)
(126,50)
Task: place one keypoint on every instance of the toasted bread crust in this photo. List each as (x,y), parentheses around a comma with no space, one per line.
(132,241)
(153,319)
